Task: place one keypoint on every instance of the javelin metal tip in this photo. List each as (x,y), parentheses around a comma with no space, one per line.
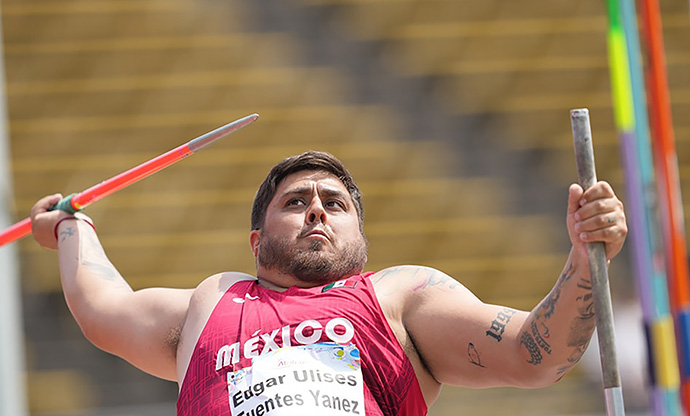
(245,120)
(211,137)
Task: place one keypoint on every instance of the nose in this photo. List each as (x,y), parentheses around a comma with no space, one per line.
(316,212)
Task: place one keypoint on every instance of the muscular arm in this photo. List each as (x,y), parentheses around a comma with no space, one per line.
(557,332)
(140,326)
(463,341)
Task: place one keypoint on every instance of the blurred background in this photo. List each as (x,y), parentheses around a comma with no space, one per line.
(452,115)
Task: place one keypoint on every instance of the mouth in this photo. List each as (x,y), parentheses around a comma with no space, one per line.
(318,234)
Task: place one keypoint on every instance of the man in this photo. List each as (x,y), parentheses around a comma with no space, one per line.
(311,333)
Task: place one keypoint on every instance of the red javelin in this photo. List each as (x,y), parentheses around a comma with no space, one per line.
(77,202)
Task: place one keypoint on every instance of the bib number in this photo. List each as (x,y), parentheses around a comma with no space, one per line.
(322,379)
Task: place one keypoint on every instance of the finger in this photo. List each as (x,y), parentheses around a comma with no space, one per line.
(598,207)
(574,195)
(598,222)
(604,235)
(44,203)
(599,190)
(613,233)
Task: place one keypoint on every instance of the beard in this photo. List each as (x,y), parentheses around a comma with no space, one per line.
(312,265)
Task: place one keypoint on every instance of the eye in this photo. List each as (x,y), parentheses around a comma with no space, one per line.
(295,202)
(335,204)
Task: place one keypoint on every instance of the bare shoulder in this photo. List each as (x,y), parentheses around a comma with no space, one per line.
(207,294)
(402,289)
(405,294)
(408,280)
(213,287)
(201,304)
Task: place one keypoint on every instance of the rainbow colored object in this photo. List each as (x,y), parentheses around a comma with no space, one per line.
(668,185)
(632,123)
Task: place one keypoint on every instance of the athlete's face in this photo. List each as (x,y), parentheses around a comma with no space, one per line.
(311,230)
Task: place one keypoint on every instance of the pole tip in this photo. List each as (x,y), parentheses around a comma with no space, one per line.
(246,120)
(579,112)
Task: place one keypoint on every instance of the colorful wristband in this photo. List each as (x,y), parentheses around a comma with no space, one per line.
(57,224)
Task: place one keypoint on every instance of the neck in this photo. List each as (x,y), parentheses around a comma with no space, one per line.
(267,284)
(280,282)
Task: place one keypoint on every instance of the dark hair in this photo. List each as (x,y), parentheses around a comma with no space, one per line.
(311,160)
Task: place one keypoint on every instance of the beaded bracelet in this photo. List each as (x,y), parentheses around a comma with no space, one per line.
(57,224)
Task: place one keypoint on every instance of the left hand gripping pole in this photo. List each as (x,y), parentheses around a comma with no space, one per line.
(601,292)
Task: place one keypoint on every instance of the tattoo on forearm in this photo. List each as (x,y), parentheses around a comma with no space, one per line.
(585,284)
(473,355)
(498,325)
(536,339)
(580,334)
(93,257)
(586,301)
(91,248)
(549,304)
(103,271)
(539,339)
(532,348)
(546,331)
(582,327)
(68,232)
(574,357)
(578,353)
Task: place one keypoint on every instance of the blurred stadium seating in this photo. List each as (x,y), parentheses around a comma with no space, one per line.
(451,114)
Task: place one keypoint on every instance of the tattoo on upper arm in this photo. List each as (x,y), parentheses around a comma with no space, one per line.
(435,278)
(473,355)
(425,276)
(498,325)
(384,274)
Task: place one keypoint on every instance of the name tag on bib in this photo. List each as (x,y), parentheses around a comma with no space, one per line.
(322,379)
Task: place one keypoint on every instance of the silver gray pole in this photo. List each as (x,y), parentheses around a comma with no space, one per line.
(601,292)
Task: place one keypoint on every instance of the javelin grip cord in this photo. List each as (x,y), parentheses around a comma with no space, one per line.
(65,204)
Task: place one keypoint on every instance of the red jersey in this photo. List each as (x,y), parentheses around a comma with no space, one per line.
(250,322)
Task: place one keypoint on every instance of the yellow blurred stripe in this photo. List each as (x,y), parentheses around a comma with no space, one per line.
(665,354)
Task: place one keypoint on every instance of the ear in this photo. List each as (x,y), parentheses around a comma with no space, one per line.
(255,241)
